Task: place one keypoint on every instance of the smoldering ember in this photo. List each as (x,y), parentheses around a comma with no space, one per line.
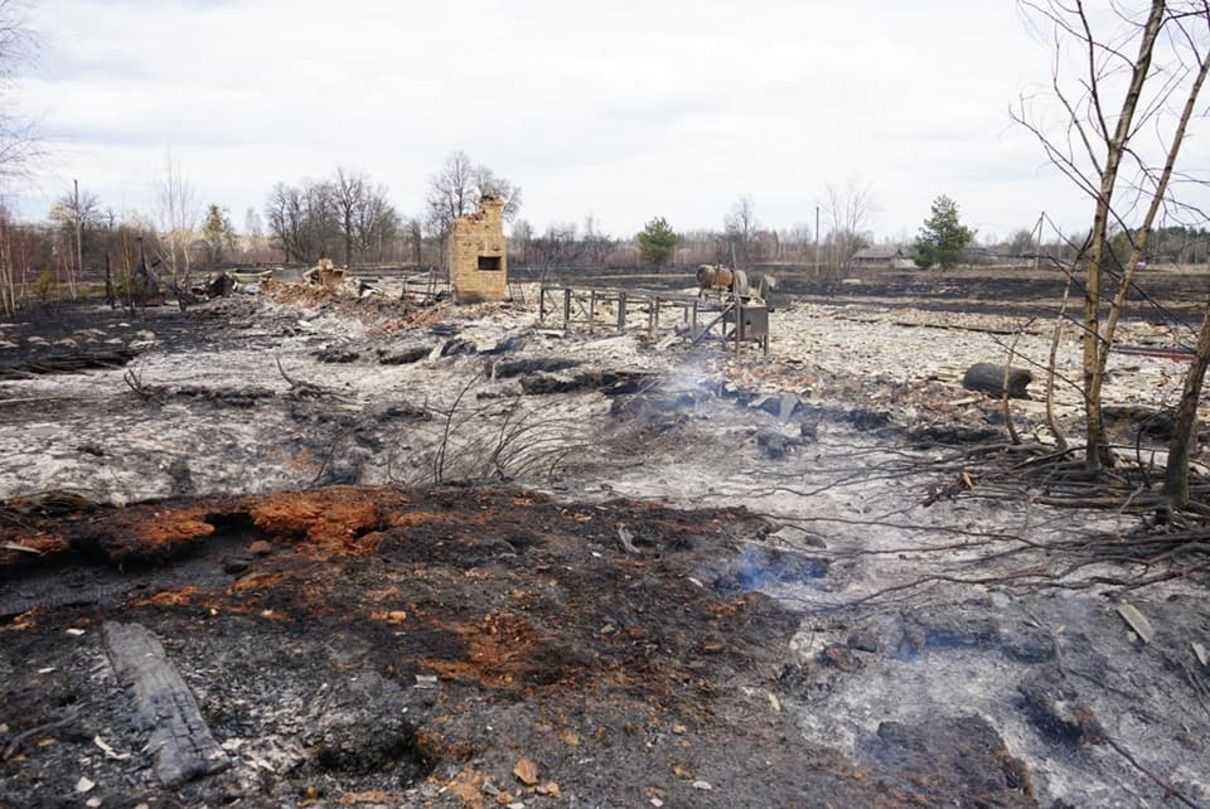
(366,511)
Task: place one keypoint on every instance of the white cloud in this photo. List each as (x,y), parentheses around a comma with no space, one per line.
(625,109)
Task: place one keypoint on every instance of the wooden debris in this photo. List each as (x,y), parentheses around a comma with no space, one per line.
(184,748)
(1137,621)
(626,540)
(67,362)
(526,772)
(108,749)
(13,546)
(1199,651)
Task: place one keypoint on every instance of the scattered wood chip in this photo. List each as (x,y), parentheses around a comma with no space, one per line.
(1199,652)
(354,798)
(626,540)
(681,773)
(13,546)
(526,772)
(108,750)
(75,633)
(550,789)
(1137,621)
(702,785)
(85,784)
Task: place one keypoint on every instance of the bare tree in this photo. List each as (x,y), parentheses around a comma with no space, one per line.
(456,189)
(415,236)
(349,213)
(377,224)
(9,300)
(349,191)
(18,141)
(303,220)
(73,214)
(849,210)
(519,241)
(254,232)
(1121,152)
(739,227)
(1176,475)
(179,215)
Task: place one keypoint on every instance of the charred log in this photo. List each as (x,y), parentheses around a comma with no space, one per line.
(988,377)
(164,705)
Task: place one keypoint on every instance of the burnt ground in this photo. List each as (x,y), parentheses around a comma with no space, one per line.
(1163,294)
(409,647)
(778,667)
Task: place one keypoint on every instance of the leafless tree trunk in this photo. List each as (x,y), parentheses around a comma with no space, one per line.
(849,211)
(1096,142)
(8,286)
(179,212)
(1176,479)
(417,241)
(350,192)
(740,227)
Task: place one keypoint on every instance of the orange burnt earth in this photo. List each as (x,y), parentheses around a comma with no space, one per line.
(337,520)
(171,528)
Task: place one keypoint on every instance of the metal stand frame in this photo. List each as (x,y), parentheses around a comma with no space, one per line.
(583,305)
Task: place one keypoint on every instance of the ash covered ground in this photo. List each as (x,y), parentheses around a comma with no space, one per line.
(400,556)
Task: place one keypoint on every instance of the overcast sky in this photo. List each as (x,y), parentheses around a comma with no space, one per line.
(624,109)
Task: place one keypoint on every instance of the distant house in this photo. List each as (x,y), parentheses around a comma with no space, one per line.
(976,254)
(888,256)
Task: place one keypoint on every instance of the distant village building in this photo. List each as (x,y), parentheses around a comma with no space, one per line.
(478,254)
(887,256)
(976,254)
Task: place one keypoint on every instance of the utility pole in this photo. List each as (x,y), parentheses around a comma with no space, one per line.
(1038,241)
(79,240)
(816,241)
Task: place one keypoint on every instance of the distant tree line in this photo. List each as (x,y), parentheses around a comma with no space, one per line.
(346,217)
(349,218)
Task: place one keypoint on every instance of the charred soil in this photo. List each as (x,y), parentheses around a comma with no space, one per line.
(410,647)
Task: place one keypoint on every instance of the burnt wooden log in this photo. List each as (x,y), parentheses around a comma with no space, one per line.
(164,705)
(66,362)
(989,378)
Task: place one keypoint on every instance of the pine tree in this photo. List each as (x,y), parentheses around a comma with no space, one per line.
(657,241)
(943,236)
(219,234)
